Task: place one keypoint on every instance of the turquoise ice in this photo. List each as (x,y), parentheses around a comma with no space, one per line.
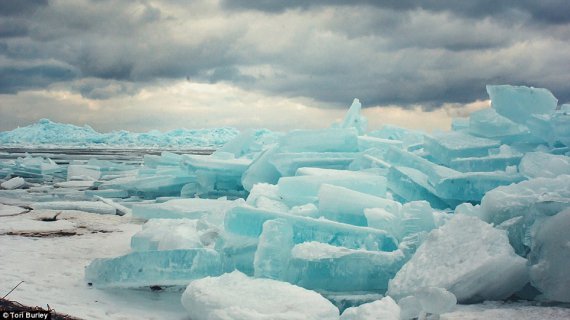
(149,268)
(248,221)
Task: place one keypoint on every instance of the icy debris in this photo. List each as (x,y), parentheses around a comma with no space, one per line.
(321,140)
(447,146)
(520,103)
(410,307)
(195,208)
(87,206)
(385,309)
(348,215)
(150,268)
(170,234)
(458,124)
(108,193)
(353,118)
(550,257)
(79,185)
(121,210)
(83,172)
(288,163)
(238,297)
(304,189)
(261,170)
(13,183)
(531,198)
(488,123)
(46,132)
(347,206)
(248,143)
(435,300)
(540,164)
(407,136)
(367,142)
(323,267)
(466,256)
(248,221)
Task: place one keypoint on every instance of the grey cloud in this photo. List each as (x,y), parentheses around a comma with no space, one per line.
(384,52)
(12,27)
(553,11)
(20,7)
(100,89)
(14,78)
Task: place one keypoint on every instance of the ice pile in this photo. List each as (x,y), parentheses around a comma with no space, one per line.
(48,133)
(473,214)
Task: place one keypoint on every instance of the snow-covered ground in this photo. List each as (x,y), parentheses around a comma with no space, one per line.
(52,268)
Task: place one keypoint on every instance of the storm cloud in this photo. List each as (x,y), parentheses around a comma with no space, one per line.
(405,53)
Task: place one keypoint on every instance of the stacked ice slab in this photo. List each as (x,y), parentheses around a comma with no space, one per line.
(466,215)
(33,169)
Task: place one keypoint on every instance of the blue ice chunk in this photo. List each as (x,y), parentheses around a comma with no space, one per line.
(237,252)
(87,206)
(414,218)
(37,167)
(288,163)
(499,161)
(417,217)
(412,184)
(423,178)
(106,166)
(371,159)
(561,125)
(367,142)
(517,207)
(304,189)
(458,124)
(435,300)
(217,174)
(248,143)
(149,268)
(466,256)
(274,250)
(353,118)
(171,234)
(488,123)
(407,136)
(432,171)
(549,258)
(261,170)
(165,159)
(321,140)
(248,221)
(153,186)
(472,186)
(518,103)
(108,193)
(215,163)
(445,147)
(323,267)
(83,172)
(193,208)
(347,206)
(519,234)
(531,198)
(266,196)
(540,164)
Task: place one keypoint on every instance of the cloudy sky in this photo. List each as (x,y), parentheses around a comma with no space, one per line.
(142,65)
